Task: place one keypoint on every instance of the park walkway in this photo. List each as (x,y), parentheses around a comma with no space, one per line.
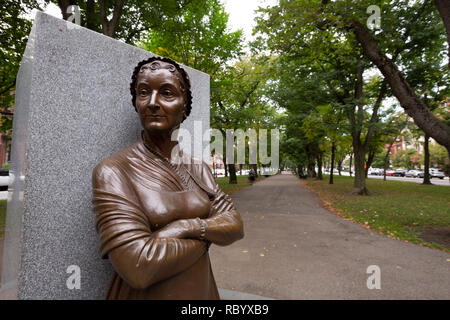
(295,249)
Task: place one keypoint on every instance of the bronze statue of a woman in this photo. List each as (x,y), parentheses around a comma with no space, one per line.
(157,215)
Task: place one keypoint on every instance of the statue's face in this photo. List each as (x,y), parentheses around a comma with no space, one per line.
(159,100)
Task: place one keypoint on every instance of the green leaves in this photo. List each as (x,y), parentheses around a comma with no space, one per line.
(198,37)
(14,30)
(319,57)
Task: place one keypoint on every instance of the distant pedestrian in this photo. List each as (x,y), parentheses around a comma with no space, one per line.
(251,175)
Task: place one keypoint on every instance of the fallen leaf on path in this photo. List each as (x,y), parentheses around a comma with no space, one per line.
(261,254)
(398,267)
(448,260)
(244,251)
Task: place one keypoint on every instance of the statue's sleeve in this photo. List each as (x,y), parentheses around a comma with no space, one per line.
(126,237)
(224,225)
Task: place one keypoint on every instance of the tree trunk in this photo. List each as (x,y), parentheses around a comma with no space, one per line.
(232,170)
(370,158)
(339,165)
(350,169)
(443,7)
(359,184)
(319,166)
(386,157)
(333,151)
(225,167)
(356,121)
(447,166)
(426,161)
(90,15)
(311,166)
(109,27)
(409,101)
(63,5)
(255,167)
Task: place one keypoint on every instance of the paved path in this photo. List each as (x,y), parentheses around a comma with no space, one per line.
(295,249)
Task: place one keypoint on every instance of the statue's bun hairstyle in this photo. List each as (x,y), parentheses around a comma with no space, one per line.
(152,63)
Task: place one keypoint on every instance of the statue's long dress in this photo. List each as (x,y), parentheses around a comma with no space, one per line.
(136,192)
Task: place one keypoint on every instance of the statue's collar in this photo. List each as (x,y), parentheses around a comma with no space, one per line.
(177,155)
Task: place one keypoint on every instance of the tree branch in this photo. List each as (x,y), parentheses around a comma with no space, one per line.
(117,14)
(247,96)
(409,101)
(443,7)
(374,117)
(359,96)
(8,88)
(103,19)
(109,27)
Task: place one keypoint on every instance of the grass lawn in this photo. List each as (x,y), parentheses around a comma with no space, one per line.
(2,217)
(398,209)
(242,182)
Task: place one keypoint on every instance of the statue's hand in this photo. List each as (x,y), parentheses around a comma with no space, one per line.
(179,229)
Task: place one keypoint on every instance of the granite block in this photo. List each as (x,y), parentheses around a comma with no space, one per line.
(73,109)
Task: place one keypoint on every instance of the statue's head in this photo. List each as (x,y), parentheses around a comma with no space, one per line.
(161,93)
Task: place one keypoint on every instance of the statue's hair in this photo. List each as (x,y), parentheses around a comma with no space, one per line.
(185,83)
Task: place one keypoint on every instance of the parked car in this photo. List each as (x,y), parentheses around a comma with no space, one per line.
(436,173)
(4,180)
(220,172)
(411,173)
(389,172)
(243,172)
(400,172)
